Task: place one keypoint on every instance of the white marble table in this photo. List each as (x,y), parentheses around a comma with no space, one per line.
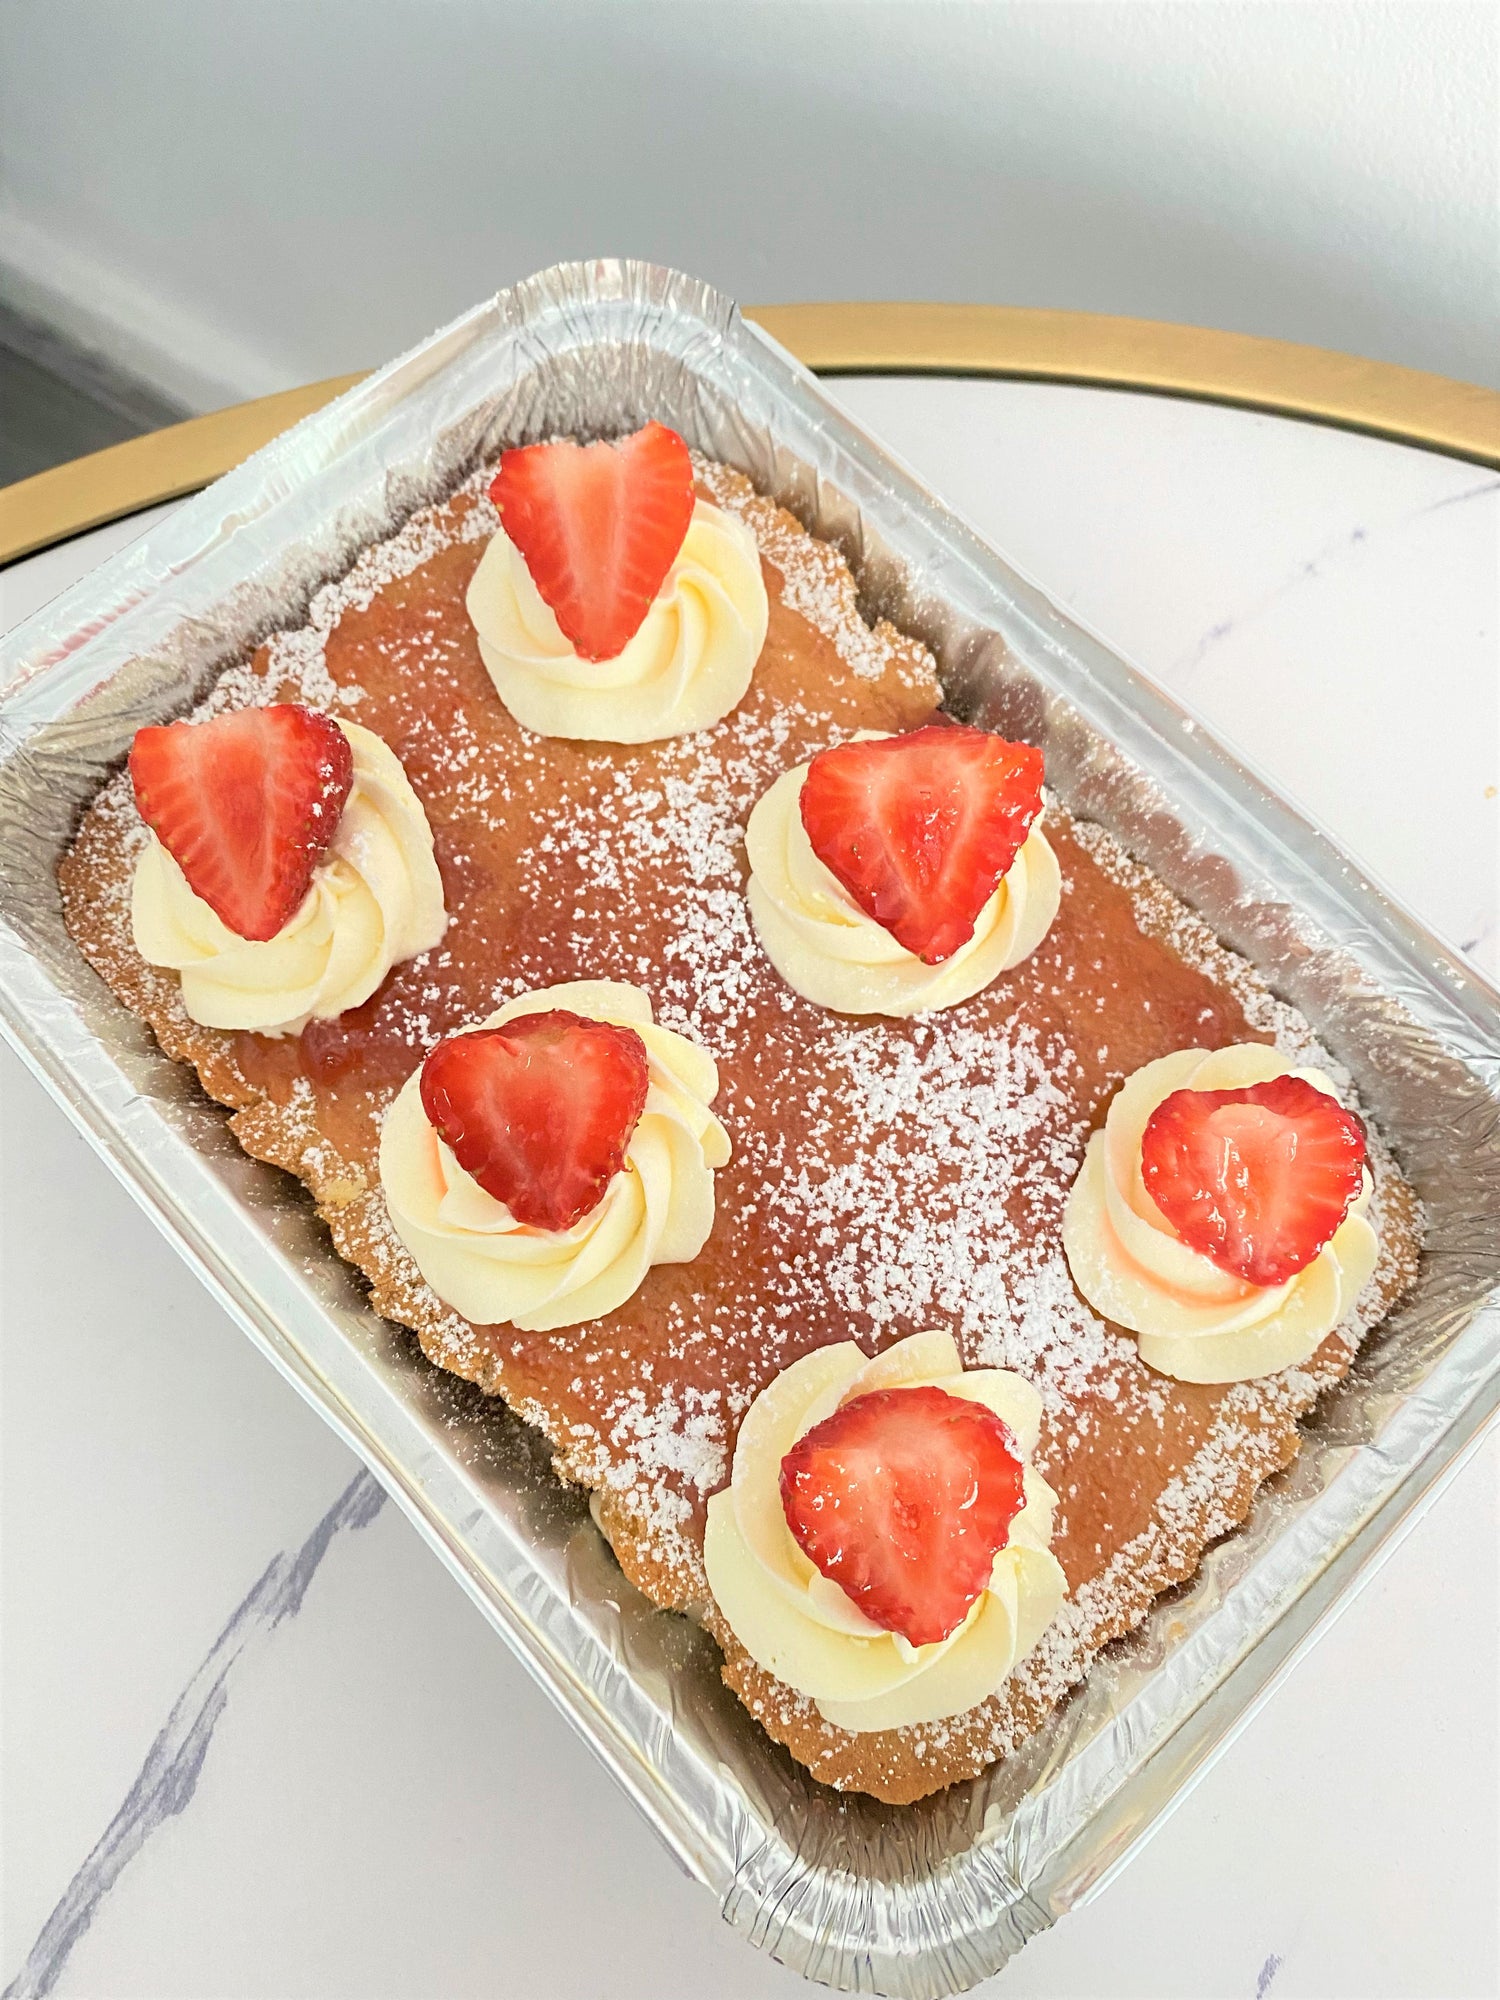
(257,1744)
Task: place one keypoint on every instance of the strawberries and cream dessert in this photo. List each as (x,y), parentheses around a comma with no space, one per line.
(1222,1213)
(895,874)
(290,866)
(538,1165)
(739,1166)
(611,603)
(882,1544)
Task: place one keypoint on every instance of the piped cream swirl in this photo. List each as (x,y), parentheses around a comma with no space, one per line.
(833,953)
(1193,1320)
(659,1209)
(686,667)
(375,899)
(800,1626)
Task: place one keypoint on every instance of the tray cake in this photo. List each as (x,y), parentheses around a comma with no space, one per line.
(887,1176)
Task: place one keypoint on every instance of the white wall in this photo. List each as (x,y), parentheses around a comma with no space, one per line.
(239,194)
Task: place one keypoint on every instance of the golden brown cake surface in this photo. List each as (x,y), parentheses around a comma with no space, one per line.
(887,1176)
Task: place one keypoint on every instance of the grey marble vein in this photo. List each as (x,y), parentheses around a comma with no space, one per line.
(169,1776)
(1476,944)
(1314,566)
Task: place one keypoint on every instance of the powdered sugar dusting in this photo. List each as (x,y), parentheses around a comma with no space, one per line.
(296,662)
(885,1177)
(662,1433)
(924,1191)
(686,829)
(816,582)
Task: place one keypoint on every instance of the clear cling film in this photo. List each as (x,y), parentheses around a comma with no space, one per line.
(920,1900)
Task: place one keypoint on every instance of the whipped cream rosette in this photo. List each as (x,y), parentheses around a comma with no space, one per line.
(611,605)
(1195,1315)
(826,942)
(802,1625)
(652,1203)
(375,899)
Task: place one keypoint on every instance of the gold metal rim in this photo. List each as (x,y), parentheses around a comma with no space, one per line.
(1429,411)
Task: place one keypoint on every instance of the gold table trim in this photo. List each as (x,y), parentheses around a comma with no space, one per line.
(1459,419)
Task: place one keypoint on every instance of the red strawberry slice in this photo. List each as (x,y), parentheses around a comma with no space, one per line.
(598,526)
(539,1111)
(246,805)
(1257,1179)
(903,1498)
(920,828)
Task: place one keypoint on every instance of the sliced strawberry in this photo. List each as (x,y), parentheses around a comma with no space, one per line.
(903,1498)
(1257,1179)
(539,1111)
(246,805)
(598,526)
(920,828)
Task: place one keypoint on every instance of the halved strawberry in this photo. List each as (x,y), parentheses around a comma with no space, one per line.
(903,1497)
(920,828)
(246,805)
(1258,1179)
(598,526)
(540,1110)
